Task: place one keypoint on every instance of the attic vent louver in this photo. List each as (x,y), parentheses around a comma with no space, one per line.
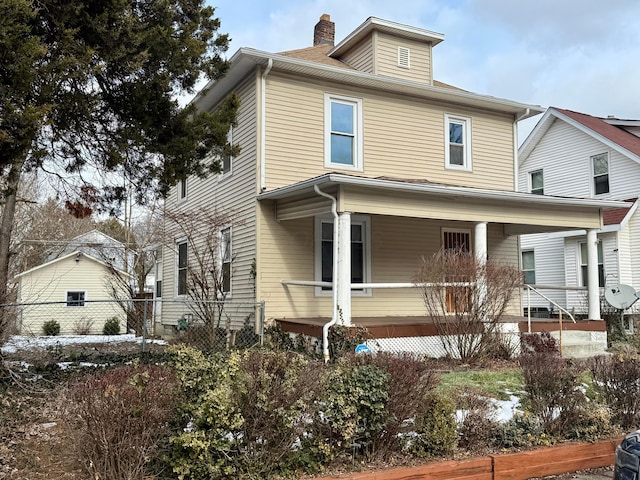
(403,57)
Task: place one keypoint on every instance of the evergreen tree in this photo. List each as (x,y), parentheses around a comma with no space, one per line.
(91,86)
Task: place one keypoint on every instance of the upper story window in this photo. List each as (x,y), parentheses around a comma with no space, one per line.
(182,264)
(343,132)
(536,182)
(225,259)
(182,189)
(458,142)
(583,265)
(227,160)
(600,167)
(529,267)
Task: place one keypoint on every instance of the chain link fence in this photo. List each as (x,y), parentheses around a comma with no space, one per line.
(131,326)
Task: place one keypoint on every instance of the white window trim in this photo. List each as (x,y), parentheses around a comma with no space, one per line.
(225,175)
(593,174)
(228,294)
(522,252)
(66,298)
(530,179)
(182,185)
(467,161)
(581,281)
(357,161)
(363,220)
(178,242)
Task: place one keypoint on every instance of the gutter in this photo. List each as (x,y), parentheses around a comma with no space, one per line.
(334,290)
(263,126)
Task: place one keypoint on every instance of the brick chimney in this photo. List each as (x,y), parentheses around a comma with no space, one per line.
(324,32)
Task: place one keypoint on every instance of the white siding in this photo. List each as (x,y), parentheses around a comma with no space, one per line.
(549,266)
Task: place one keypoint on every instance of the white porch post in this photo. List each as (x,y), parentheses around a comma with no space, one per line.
(593,289)
(343,280)
(480,250)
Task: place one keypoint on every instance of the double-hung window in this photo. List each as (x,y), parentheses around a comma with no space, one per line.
(360,257)
(600,167)
(343,133)
(182,264)
(583,265)
(529,267)
(457,142)
(225,259)
(75,299)
(536,181)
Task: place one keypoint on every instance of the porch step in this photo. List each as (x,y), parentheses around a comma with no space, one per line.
(583,349)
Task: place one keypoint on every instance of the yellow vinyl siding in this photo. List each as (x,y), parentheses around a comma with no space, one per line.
(386,61)
(361,56)
(234,194)
(411,205)
(51,284)
(403,137)
(397,244)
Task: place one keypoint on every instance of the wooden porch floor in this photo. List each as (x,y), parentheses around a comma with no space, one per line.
(422,326)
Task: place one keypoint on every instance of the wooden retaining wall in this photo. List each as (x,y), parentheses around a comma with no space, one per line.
(513,466)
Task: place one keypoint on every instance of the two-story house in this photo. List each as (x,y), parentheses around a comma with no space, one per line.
(353,151)
(571,153)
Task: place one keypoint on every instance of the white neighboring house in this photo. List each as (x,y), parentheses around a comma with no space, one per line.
(98,245)
(574,154)
(63,290)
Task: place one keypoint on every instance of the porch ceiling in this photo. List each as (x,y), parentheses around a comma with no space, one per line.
(520,213)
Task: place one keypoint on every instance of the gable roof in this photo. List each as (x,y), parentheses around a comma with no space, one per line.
(602,129)
(72,254)
(617,216)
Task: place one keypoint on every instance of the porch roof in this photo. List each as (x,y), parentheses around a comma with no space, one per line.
(520,212)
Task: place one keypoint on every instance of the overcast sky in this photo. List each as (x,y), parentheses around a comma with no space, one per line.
(583,55)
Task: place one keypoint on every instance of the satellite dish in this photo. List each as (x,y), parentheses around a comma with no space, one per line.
(620,296)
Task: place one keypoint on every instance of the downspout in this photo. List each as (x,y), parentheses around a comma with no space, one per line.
(263,128)
(515,148)
(334,290)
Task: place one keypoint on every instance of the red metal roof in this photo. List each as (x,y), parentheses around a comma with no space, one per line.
(616,215)
(615,134)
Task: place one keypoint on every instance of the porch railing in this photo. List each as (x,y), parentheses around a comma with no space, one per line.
(360,286)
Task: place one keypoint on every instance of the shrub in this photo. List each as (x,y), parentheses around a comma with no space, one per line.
(477,424)
(111,326)
(551,391)
(435,427)
(523,430)
(410,379)
(541,342)
(123,417)
(616,382)
(51,328)
(344,340)
(83,326)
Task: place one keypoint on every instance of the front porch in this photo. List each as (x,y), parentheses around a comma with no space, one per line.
(419,334)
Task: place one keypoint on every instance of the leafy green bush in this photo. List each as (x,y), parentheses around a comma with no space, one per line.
(435,428)
(523,430)
(51,328)
(111,326)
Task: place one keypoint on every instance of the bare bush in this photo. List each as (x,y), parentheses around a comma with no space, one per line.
(123,418)
(465,299)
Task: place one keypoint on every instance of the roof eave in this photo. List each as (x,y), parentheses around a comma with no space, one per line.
(438,189)
(246,59)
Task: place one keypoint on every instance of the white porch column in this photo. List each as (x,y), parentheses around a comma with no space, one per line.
(480,251)
(593,289)
(343,280)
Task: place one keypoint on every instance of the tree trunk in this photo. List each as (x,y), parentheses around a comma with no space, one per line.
(6,226)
